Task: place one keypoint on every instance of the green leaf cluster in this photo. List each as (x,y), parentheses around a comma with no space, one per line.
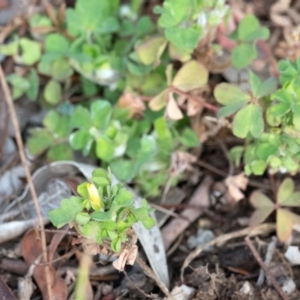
(186,22)
(247,34)
(102,211)
(268,119)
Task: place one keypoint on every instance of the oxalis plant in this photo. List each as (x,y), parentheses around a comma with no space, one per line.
(285,219)
(102,214)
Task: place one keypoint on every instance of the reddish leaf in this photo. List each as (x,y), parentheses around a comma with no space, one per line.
(259,200)
(260,215)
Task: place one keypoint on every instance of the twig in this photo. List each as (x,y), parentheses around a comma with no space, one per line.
(165,211)
(175,245)
(27,173)
(153,296)
(226,237)
(270,251)
(194,98)
(265,268)
(151,274)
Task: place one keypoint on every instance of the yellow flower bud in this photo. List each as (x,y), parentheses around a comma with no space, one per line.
(95,199)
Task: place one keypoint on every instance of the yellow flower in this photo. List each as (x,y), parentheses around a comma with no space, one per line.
(95,199)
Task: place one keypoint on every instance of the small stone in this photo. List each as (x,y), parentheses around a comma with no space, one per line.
(182,292)
(289,286)
(292,254)
(202,237)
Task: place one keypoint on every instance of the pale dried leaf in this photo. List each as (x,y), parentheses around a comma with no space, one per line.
(180,162)
(132,102)
(173,111)
(127,257)
(235,184)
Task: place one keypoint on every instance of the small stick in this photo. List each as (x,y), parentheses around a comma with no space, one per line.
(270,251)
(151,274)
(15,123)
(265,268)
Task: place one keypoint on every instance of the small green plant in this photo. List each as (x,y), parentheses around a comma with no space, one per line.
(102,212)
(267,120)
(186,22)
(131,148)
(285,219)
(246,35)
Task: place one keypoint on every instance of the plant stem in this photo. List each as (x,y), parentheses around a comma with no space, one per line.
(15,123)
(194,98)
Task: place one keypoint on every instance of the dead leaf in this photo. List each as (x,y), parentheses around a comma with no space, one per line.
(276,13)
(172,110)
(180,162)
(56,239)
(127,257)
(133,102)
(31,250)
(235,184)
